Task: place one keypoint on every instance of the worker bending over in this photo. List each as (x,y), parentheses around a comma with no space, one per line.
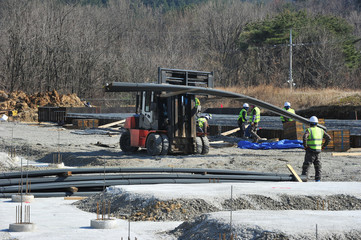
(202,123)
(242,120)
(255,117)
(288,108)
(312,142)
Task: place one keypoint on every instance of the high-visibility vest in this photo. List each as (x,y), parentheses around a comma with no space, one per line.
(201,122)
(197,102)
(288,119)
(241,115)
(314,140)
(257,112)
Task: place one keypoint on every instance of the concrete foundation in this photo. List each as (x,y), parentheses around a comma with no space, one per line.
(22,227)
(104,224)
(25,198)
(57,165)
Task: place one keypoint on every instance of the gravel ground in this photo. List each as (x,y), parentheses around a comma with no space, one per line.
(38,142)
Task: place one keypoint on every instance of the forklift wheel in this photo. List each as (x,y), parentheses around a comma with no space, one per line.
(154,144)
(165,144)
(124,143)
(205,149)
(199,145)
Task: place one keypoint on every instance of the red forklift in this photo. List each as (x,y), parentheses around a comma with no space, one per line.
(165,120)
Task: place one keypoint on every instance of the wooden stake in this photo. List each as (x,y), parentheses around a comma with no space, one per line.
(336,154)
(112,124)
(230,132)
(294,172)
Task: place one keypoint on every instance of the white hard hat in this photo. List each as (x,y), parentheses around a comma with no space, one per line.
(313,119)
(287,104)
(245,105)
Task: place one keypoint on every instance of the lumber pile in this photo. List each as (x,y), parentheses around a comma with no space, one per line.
(85,123)
(340,139)
(294,130)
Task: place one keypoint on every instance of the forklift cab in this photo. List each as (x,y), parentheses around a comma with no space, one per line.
(147,110)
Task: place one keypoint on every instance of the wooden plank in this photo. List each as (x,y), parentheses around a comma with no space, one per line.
(112,124)
(354,150)
(294,172)
(230,132)
(346,154)
(74,198)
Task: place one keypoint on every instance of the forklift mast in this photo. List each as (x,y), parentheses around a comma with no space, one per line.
(174,113)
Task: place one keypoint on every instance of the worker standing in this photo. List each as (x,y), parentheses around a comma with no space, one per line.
(198,106)
(288,108)
(255,117)
(312,142)
(242,120)
(202,123)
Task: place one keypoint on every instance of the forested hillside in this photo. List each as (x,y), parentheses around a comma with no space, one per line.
(78,46)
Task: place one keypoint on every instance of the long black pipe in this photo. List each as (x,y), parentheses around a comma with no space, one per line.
(53,194)
(51,172)
(17,181)
(99,183)
(136,87)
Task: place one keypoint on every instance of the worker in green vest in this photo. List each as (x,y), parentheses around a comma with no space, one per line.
(255,117)
(202,123)
(242,120)
(312,142)
(198,106)
(288,108)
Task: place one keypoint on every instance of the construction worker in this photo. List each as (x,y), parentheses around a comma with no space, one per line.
(198,106)
(288,108)
(242,120)
(203,123)
(312,142)
(255,117)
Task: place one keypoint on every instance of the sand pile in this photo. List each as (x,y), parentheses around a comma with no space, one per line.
(27,105)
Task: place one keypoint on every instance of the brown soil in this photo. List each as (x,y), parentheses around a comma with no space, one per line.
(27,105)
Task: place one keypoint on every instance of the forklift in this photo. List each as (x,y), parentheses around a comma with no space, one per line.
(165,120)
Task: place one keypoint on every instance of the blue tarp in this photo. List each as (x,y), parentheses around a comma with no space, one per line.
(283,144)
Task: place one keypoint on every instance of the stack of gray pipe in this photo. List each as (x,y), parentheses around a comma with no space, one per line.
(88,181)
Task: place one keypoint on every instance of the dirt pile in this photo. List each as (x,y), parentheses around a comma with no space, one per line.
(27,105)
(141,209)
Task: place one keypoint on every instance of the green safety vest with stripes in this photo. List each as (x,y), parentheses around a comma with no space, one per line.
(201,122)
(314,140)
(257,112)
(241,115)
(288,119)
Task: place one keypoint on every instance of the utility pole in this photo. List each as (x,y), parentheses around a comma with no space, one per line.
(290,80)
